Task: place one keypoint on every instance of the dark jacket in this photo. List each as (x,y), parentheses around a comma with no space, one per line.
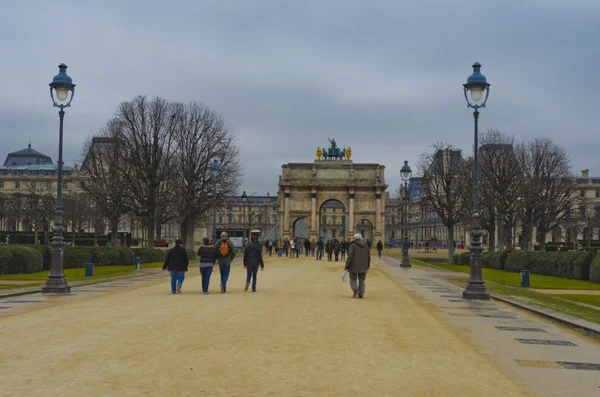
(358,259)
(379,246)
(329,247)
(253,255)
(320,244)
(207,254)
(232,251)
(176,259)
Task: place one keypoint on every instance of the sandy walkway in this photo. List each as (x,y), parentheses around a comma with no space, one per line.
(300,335)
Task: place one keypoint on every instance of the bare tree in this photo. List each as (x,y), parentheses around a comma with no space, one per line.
(441,170)
(78,212)
(147,149)
(38,206)
(202,136)
(547,191)
(589,217)
(16,209)
(501,180)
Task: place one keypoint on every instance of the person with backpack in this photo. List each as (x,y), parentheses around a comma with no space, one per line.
(270,247)
(379,248)
(329,250)
(306,247)
(208,258)
(252,259)
(225,255)
(176,262)
(320,248)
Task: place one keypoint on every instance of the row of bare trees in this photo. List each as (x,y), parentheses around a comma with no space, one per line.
(152,159)
(520,183)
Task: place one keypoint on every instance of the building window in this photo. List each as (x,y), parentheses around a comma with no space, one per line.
(65,185)
(333,230)
(17,185)
(82,184)
(582,211)
(582,193)
(220,218)
(1,184)
(597,193)
(334,210)
(324,219)
(48,185)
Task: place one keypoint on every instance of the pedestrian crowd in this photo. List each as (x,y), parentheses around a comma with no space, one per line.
(355,253)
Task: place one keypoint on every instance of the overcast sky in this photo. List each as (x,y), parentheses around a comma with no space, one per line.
(384,77)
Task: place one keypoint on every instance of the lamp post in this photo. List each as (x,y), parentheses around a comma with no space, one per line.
(244,201)
(214,170)
(56,283)
(406,173)
(476,85)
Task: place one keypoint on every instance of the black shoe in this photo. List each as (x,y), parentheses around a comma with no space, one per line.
(253,289)
(222,289)
(360,296)
(355,294)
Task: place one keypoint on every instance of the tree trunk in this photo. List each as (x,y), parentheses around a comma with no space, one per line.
(492,236)
(542,240)
(450,243)
(35,236)
(158,235)
(150,232)
(501,235)
(189,238)
(183,229)
(114,230)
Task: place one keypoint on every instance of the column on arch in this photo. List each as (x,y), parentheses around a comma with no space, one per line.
(286,211)
(378,212)
(351,210)
(313,211)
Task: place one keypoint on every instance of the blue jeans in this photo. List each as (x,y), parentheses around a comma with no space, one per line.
(205,272)
(224,268)
(176,278)
(252,272)
(279,252)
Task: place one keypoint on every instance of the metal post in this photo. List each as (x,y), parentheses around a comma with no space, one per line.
(56,283)
(476,286)
(405,243)
(214,231)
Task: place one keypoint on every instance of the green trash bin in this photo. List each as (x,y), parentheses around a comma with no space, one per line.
(89,270)
(525,278)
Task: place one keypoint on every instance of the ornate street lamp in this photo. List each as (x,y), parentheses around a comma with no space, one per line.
(56,283)
(406,173)
(244,201)
(214,171)
(475,86)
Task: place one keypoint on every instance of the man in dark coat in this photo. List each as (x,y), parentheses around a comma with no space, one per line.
(320,248)
(379,248)
(252,259)
(358,263)
(176,262)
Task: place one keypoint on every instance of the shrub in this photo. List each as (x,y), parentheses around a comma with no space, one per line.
(518,261)
(18,259)
(75,257)
(46,251)
(191,254)
(495,260)
(581,265)
(145,254)
(464,258)
(158,255)
(595,269)
(126,256)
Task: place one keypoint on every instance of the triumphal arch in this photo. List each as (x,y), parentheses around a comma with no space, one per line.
(332,197)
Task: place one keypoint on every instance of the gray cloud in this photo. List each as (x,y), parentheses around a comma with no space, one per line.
(383,77)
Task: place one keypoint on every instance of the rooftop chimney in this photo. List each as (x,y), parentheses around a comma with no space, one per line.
(585,173)
(268,194)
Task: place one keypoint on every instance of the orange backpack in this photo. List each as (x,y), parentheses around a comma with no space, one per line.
(223,249)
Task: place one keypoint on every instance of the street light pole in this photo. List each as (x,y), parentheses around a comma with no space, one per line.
(56,283)
(476,85)
(406,173)
(244,200)
(214,169)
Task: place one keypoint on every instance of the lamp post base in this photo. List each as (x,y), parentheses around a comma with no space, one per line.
(476,291)
(56,286)
(405,260)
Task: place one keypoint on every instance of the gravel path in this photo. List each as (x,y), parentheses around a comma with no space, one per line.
(301,334)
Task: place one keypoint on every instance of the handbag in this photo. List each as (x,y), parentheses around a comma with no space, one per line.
(345,276)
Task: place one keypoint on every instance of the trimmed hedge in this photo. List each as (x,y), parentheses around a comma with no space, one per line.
(570,264)
(581,265)
(494,260)
(18,259)
(158,255)
(191,254)
(463,258)
(145,254)
(595,269)
(75,257)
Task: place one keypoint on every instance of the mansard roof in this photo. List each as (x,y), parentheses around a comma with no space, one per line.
(27,156)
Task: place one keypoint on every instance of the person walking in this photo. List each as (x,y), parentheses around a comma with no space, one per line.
(306,247)
(379,248)
(208,258)
(226,252)
(252,259)
(320,248)
(336,249)
(313,245)
(176,262)
(358,263)
(292,248)
(344,249)
(329,249)
(286,246)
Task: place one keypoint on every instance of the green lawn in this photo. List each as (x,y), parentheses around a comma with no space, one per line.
(593,300)
(14,286)
(73,275)
(513,279)
(547,301)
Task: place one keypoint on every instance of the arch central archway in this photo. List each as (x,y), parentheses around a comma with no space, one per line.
(332,218)
(365,228)
(300,228)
